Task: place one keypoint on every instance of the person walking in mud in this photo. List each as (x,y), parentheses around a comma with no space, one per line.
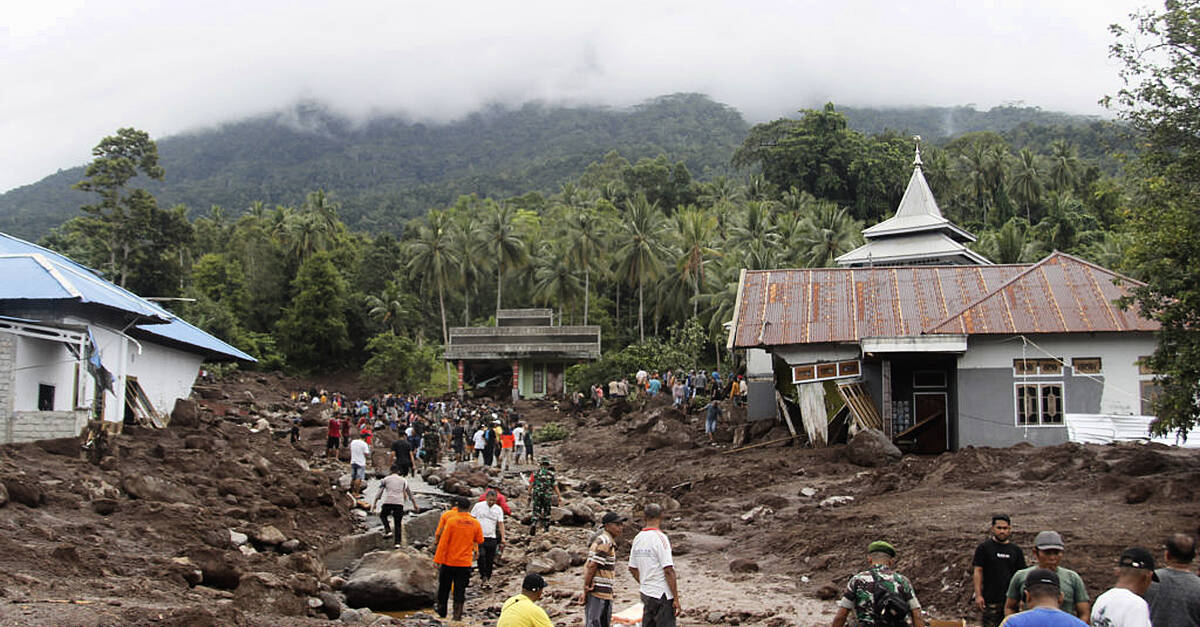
(653,567)
(459,539)
(491,518)
(393,491)
(879,596)
(359,453)
(996,560)
(599,572)
(543,484)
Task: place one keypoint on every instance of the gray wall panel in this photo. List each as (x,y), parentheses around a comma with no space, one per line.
(987,412)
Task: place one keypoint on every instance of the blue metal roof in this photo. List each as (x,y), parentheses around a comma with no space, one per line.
(31,272)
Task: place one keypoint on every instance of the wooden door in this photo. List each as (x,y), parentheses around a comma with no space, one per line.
(929,410)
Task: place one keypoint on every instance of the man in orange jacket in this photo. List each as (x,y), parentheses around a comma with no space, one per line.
(458,538)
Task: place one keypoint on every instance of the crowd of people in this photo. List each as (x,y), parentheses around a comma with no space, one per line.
(1011,593)
(682,386)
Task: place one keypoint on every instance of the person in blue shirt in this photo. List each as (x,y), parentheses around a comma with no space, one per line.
(1042,597)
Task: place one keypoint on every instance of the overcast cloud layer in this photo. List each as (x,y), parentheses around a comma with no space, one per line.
(75,71)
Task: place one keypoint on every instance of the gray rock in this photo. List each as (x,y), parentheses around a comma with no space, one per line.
(291,546)
(150,488)
(238,539)
(871,448)
(583,514)
(331,607)
(540,565)
(743,565)
(302,464)
(560,514)
(714,617)
(836,501)
(667,433)
(269,535)
(3,495)
(808,492)
(560,558)
(419,529)
(351,616)
(261,465)
(402,579)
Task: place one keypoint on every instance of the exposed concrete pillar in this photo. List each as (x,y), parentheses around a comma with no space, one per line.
(886,401)
(460,378)
(516,391)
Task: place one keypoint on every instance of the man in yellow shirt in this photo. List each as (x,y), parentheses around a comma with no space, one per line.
(522,610)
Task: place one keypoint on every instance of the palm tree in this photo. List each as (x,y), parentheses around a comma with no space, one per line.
(694,233)
(555,277)
(391,307)
(586,232)
(830,233)
(431,258)
(753,234)
(1026,181)
(325,210)
(640,256)
(1064,165)
(503,243)
(467,247)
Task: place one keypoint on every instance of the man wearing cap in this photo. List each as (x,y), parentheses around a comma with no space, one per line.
(522,610)
(1175,600)
(543,483)
(1048,550)
(996,560)
(1123,605)
(863,589)
(1042,598)
(599,572)
(653,567)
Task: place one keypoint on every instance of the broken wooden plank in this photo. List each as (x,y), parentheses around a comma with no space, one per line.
(745,448)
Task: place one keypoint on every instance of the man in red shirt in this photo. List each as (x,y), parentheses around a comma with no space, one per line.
(335,437)
(459,536)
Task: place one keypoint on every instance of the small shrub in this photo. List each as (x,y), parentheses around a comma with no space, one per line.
(550,432)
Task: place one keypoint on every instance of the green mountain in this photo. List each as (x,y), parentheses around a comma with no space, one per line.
(387,169)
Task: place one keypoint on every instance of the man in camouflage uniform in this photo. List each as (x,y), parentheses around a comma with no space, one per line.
(863,589)
(544,483)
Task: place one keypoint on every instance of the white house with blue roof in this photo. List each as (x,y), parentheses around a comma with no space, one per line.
(73,344)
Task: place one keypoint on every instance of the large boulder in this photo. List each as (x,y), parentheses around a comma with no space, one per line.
(418,529)
(871,448)
(668,433)
(268,535)
(151,488)
(24,490)
(316,416)
(268,593)
(403,579)
(560,557)
(186,414)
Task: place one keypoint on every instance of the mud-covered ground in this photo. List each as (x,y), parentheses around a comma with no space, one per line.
(144,538)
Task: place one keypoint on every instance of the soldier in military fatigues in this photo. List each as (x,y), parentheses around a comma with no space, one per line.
(864,588)
(544,484)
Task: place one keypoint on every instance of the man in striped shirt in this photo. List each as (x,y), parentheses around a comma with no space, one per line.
(599,572)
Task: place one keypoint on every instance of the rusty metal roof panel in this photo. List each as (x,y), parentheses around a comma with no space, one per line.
(1060,294)
(823,305)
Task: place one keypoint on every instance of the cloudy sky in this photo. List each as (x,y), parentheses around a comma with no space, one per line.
(76,70)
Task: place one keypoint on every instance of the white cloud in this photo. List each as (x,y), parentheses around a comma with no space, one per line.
(76,71)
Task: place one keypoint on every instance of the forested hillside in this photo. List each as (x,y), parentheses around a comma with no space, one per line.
(388,169)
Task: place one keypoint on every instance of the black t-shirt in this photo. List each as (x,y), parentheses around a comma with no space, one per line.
(457,434)
(402,450)
(999,562)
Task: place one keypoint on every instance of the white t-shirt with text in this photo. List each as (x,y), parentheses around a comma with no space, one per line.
(650,553)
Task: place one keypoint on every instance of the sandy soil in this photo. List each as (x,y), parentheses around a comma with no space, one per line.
(139,564)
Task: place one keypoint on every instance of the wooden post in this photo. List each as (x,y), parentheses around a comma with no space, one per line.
(516,392)
(460,378)
(886,401)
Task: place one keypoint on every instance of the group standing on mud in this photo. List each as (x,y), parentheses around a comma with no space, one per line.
(1008,592)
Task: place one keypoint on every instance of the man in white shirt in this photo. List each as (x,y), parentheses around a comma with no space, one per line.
(1123,605)
(358,463)
(653,567)
(480,444)
(518,442)
(491,519)
(393,490)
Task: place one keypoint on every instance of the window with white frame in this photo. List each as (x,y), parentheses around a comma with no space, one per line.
(1039,404)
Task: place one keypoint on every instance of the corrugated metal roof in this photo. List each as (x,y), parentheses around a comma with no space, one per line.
(32,272)
(810,306)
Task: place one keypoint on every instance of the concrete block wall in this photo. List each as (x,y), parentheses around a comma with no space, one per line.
(27,426)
